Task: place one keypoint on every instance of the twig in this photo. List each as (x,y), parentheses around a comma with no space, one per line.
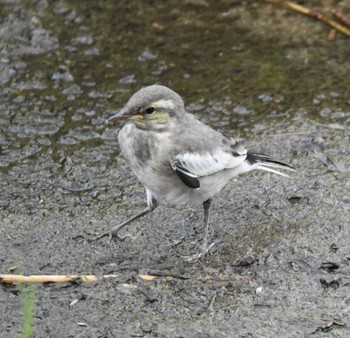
(309,12)
(291,134)
(341,17)
(338,164)
(13,279)
(327,319)
(347,91)
(222,89)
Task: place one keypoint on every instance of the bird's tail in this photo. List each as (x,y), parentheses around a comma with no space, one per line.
(267,163)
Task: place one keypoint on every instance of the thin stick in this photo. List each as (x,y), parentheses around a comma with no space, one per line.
(12,279)
(309,12)
(327,319)
(291,134)
(347,91)
(341,17)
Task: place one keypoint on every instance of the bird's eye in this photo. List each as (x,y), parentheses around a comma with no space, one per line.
(149,110)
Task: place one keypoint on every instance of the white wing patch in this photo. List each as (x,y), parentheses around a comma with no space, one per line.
(209,163)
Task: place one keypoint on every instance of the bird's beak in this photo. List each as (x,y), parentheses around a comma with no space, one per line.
(123,115)
(118,116)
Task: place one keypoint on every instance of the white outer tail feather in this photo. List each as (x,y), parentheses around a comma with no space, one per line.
(268,167)
(267,163)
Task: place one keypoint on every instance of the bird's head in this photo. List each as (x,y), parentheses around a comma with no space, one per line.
(152,108)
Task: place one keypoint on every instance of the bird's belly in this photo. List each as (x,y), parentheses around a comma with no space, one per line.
(167,188)
(170,189)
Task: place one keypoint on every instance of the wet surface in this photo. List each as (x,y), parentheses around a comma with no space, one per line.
(281,262)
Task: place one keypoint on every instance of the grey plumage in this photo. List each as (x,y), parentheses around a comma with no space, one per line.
(179,159)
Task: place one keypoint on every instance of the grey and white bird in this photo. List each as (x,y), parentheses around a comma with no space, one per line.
(179,159)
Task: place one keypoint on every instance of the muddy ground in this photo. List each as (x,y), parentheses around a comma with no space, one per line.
(280,266)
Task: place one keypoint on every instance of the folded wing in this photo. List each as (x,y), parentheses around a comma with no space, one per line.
(190,166)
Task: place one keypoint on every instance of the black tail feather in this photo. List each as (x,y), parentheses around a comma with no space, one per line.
(262,158)
(267,163)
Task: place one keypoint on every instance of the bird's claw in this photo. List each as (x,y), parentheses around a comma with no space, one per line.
(98,237)
(195,258)
(112,236)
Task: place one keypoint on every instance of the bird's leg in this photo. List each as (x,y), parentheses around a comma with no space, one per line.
(205,247)
(113,233)
(206,209)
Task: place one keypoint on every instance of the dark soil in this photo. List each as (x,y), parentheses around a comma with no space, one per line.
(280,266)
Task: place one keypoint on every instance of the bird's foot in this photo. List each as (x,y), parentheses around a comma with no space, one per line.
(195,258)
(112,236)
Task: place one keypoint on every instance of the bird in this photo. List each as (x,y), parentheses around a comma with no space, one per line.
(179,159)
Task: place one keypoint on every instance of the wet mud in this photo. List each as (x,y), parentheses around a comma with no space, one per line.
(280,266)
